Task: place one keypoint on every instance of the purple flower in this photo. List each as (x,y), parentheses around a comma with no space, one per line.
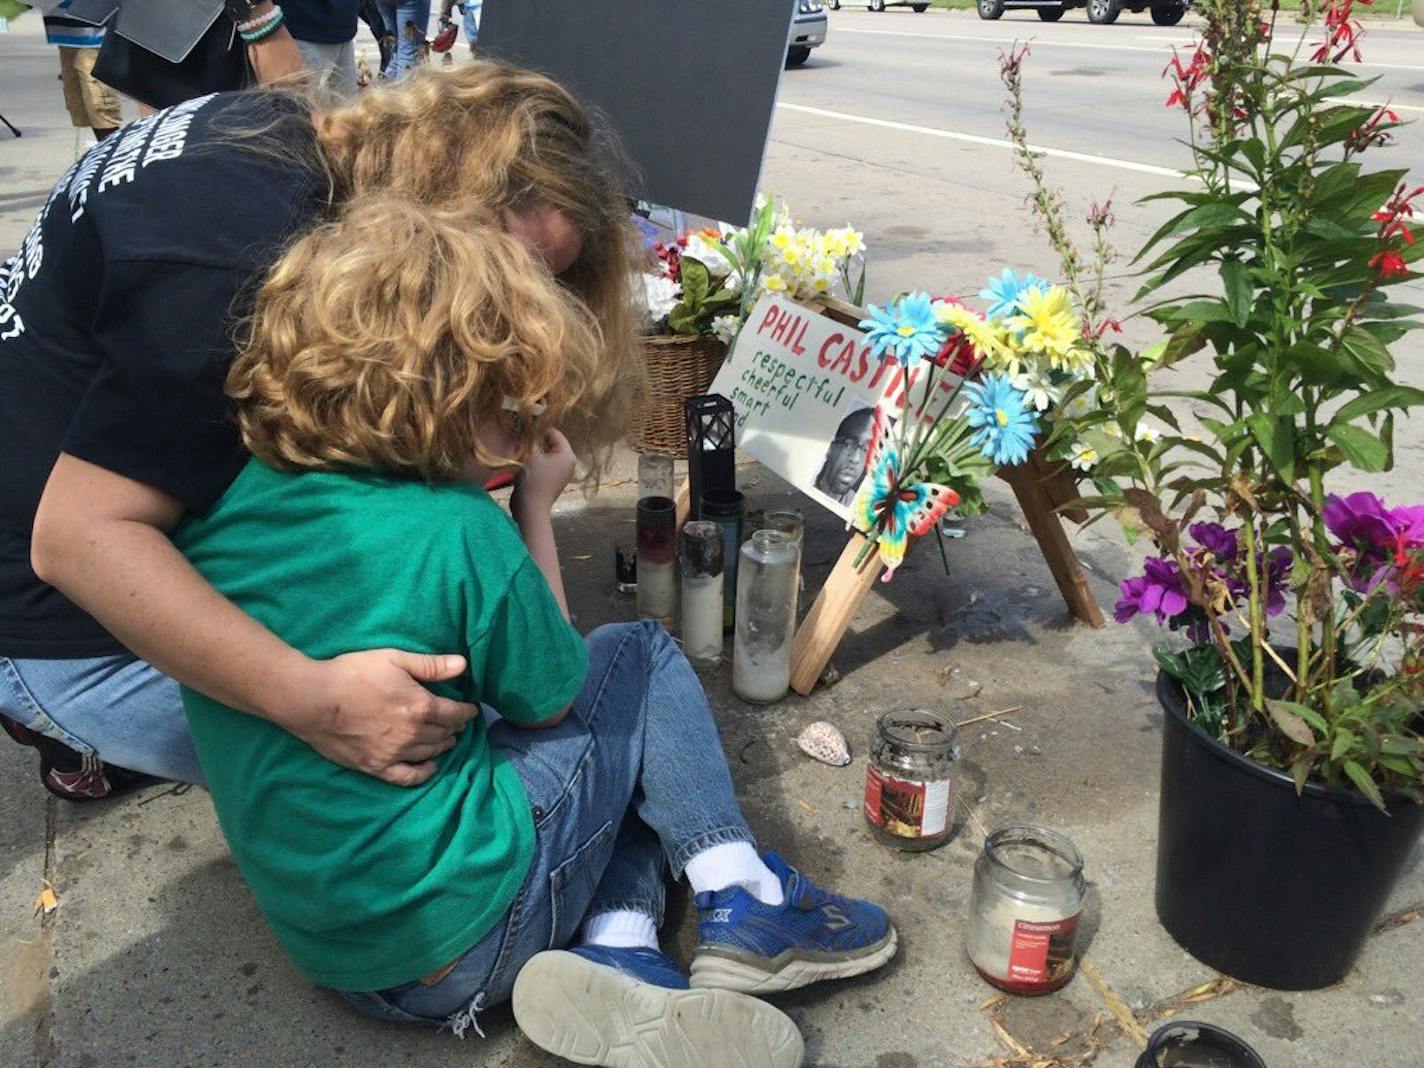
(1360,520)
(1363,523)
(1157,590)
(1277,568)
(1215,539)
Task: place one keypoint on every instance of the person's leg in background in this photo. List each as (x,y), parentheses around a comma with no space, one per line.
(470,12)
(412,20)
(333,68)
(387,11)
(90,103)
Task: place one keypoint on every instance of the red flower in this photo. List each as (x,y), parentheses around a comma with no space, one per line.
(1342,32)
(1187,77)
(957,354)
(1373,131)
(1389,265)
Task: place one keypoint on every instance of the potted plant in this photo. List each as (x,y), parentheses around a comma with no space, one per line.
(1293,750)
(698,289)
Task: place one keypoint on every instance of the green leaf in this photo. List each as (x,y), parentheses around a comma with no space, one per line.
(1238,290)
(1368,349)
(1399,745)
(1366,785)
(1276,437)
(1402,397)
(1363,450)
(1286,715)
(1344,742)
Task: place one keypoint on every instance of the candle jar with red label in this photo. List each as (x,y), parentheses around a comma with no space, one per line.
(1025,909)
(909,784)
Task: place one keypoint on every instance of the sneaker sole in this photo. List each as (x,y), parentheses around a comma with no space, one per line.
(748,975)
(590,1014)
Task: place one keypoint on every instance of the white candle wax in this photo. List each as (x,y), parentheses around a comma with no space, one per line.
(657,590)
(702,618)
(762,675)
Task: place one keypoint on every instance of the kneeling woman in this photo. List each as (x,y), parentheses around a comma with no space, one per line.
(395,360)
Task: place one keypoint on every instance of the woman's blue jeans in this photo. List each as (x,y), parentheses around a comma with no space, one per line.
(631,785)
(408,22)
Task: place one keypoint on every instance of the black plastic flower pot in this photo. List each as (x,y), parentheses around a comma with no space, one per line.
(1263,885)
(1185,1042)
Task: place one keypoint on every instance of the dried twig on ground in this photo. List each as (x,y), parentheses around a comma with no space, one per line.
(990,715)
(1197,995)
(1124,1016)
(1399,919)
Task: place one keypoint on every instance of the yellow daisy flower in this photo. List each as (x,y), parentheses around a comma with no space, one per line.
(1047,322)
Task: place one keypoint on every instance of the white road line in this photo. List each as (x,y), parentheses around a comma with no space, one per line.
(1373,104)
(1038,42)
(990,142)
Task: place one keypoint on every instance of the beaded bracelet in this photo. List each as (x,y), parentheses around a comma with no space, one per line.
(261,20)
(266,31)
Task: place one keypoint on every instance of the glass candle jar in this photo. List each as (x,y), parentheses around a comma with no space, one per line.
(625,568)
(1025,909)
(726,508)
(702,596)
(766,618)
(655,475)
(909,783)
(657,548)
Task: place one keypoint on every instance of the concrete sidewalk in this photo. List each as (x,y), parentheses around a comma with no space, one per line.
(156,955)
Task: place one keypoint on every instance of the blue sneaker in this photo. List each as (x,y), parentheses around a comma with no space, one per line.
(634,1008)
(757,948)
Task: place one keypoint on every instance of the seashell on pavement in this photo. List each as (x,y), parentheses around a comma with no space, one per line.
(824,742)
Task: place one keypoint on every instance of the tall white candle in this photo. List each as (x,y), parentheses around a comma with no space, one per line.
(702,618)
(657,590)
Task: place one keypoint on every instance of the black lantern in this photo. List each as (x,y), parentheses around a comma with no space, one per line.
(711,447)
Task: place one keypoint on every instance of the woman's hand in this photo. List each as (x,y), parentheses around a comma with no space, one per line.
(546,474)
(369,712)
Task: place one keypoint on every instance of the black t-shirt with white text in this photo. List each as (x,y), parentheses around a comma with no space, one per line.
(116,321)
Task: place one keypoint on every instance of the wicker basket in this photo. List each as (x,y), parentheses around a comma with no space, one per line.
(678,367)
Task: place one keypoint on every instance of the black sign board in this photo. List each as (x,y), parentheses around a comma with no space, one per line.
(688,85)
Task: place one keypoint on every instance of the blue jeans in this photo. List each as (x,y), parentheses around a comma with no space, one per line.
(631,785)
(116,707)
(406,21)
(470,16)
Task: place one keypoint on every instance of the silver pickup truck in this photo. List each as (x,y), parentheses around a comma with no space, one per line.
(808,31)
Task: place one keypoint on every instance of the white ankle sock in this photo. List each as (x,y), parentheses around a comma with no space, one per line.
(734,864)
(624,929)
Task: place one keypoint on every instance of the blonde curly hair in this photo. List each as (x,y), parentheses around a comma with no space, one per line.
(469,144)
(385,340)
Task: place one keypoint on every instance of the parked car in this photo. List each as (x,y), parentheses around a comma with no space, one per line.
(1164,12)
(808,31)
(881,5)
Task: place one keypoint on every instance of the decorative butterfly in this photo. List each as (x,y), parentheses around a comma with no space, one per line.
(896,510)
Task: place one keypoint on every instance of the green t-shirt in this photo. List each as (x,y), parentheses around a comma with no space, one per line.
(368,885)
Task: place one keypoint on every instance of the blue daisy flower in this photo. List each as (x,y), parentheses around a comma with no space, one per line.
(1006,425)
(1004,292)
(907,330)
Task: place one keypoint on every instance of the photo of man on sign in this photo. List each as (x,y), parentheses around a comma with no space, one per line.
(844,468)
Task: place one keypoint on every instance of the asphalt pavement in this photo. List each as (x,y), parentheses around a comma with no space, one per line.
(156,955)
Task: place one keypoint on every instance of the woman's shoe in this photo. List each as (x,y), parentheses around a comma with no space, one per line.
(633,1008)
(756,948)
(74,776)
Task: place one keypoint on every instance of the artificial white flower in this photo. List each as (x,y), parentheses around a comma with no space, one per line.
(1113,430)
(1037,387)
(1148,433)
(1081,405)
(708,254)
(660,295)
(724,328)
(1083,456)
